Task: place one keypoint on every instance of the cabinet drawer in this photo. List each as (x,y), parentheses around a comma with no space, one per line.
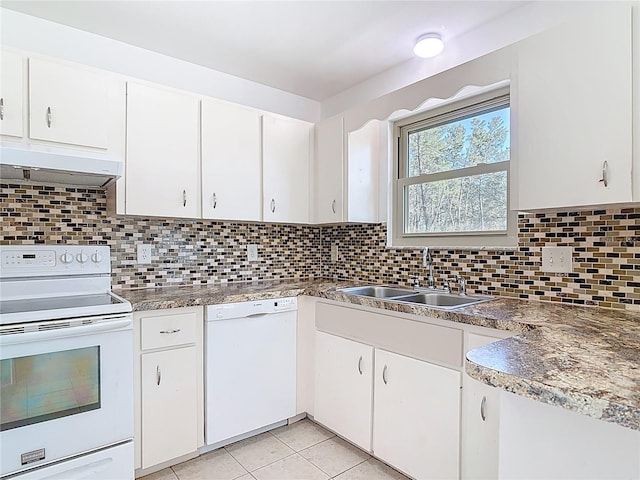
(168,330)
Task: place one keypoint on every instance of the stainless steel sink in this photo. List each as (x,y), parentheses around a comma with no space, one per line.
(432,298)
(444,300)
(377,291)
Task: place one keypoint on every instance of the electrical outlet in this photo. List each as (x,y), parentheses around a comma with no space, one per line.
(334,253)
(557,259)
(144,253)
(252,252)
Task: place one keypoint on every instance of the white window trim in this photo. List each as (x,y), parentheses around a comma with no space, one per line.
(480,240)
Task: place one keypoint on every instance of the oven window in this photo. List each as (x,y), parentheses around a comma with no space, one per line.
(42,387)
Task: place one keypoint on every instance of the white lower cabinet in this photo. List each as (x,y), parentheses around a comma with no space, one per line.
(403,409)
(169,394)
(168,376)
(344,387)
(481,422)
(540,442)
(416,416)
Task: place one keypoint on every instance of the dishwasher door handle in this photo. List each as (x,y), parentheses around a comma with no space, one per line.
(256,315)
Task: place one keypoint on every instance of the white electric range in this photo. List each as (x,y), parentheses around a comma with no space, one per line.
(66,365)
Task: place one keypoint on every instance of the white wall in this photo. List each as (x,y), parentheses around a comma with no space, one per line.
(48,38)
(533,17)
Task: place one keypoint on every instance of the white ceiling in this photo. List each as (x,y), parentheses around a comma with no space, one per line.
(315,49)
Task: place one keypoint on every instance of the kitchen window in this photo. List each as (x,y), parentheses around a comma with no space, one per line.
(452,182)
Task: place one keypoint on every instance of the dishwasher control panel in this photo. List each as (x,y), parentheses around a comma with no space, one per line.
(283,304)
(225,311)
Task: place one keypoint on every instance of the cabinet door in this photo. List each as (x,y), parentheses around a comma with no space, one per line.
(416,423)
(328,171)
(169,405)
(574,113)
(68,104)
(231,173)
(11,94)
(363,157)
(343,387)
(480,422)
(285,157)
(162,165)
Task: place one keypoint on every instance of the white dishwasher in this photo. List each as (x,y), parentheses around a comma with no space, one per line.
(250,367)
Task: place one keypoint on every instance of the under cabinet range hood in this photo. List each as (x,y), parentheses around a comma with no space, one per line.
(47,164)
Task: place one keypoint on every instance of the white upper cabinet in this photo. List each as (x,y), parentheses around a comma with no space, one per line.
(347,173)
(163,162)
(328,171)
(286,145)
(363,171)
(231,168)
(11,94)
(573,98)
(68,104)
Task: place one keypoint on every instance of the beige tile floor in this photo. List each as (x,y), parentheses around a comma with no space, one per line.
(300,451)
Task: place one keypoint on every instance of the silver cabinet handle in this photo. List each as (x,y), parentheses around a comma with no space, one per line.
(214,200)
(49,117)
(175,330)
(483,405)
(158,375)
(384,375)
(184,198)
(273,205)
(1,108)
(605,174)
(333,206)
(360,365)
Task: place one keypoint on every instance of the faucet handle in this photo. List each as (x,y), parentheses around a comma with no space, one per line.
(462,284)
(447,286)
(416,281)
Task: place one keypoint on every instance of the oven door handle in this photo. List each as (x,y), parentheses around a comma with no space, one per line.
(28,337)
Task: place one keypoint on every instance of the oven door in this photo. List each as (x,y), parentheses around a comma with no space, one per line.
(66,388)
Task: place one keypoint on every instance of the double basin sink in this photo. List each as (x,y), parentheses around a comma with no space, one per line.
(432,298)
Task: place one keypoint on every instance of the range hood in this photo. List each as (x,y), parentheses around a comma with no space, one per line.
(19,161)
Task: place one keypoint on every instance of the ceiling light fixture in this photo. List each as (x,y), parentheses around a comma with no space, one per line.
(428,45)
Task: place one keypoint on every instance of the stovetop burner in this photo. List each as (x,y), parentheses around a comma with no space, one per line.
(50,282)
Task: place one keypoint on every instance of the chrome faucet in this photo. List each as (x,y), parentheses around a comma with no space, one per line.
(462,285)
(427,261)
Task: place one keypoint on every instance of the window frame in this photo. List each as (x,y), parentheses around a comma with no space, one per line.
(443,114)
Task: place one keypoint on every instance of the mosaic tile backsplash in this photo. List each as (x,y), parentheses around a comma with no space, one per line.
(184,251)
(606,259)
(606,244)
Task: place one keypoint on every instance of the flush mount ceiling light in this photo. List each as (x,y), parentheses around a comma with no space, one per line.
(428,45)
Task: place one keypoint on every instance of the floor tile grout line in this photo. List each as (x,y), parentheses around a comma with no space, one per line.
(235,459)
(351,468)
(271,463)
(315,445)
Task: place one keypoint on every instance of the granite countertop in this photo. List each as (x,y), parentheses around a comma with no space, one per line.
(584,359)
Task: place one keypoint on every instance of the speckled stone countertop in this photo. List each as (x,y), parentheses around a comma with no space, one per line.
(580,358)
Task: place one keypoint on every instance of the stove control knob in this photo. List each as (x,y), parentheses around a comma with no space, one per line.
(66,257)
(82,257)
(96,258)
